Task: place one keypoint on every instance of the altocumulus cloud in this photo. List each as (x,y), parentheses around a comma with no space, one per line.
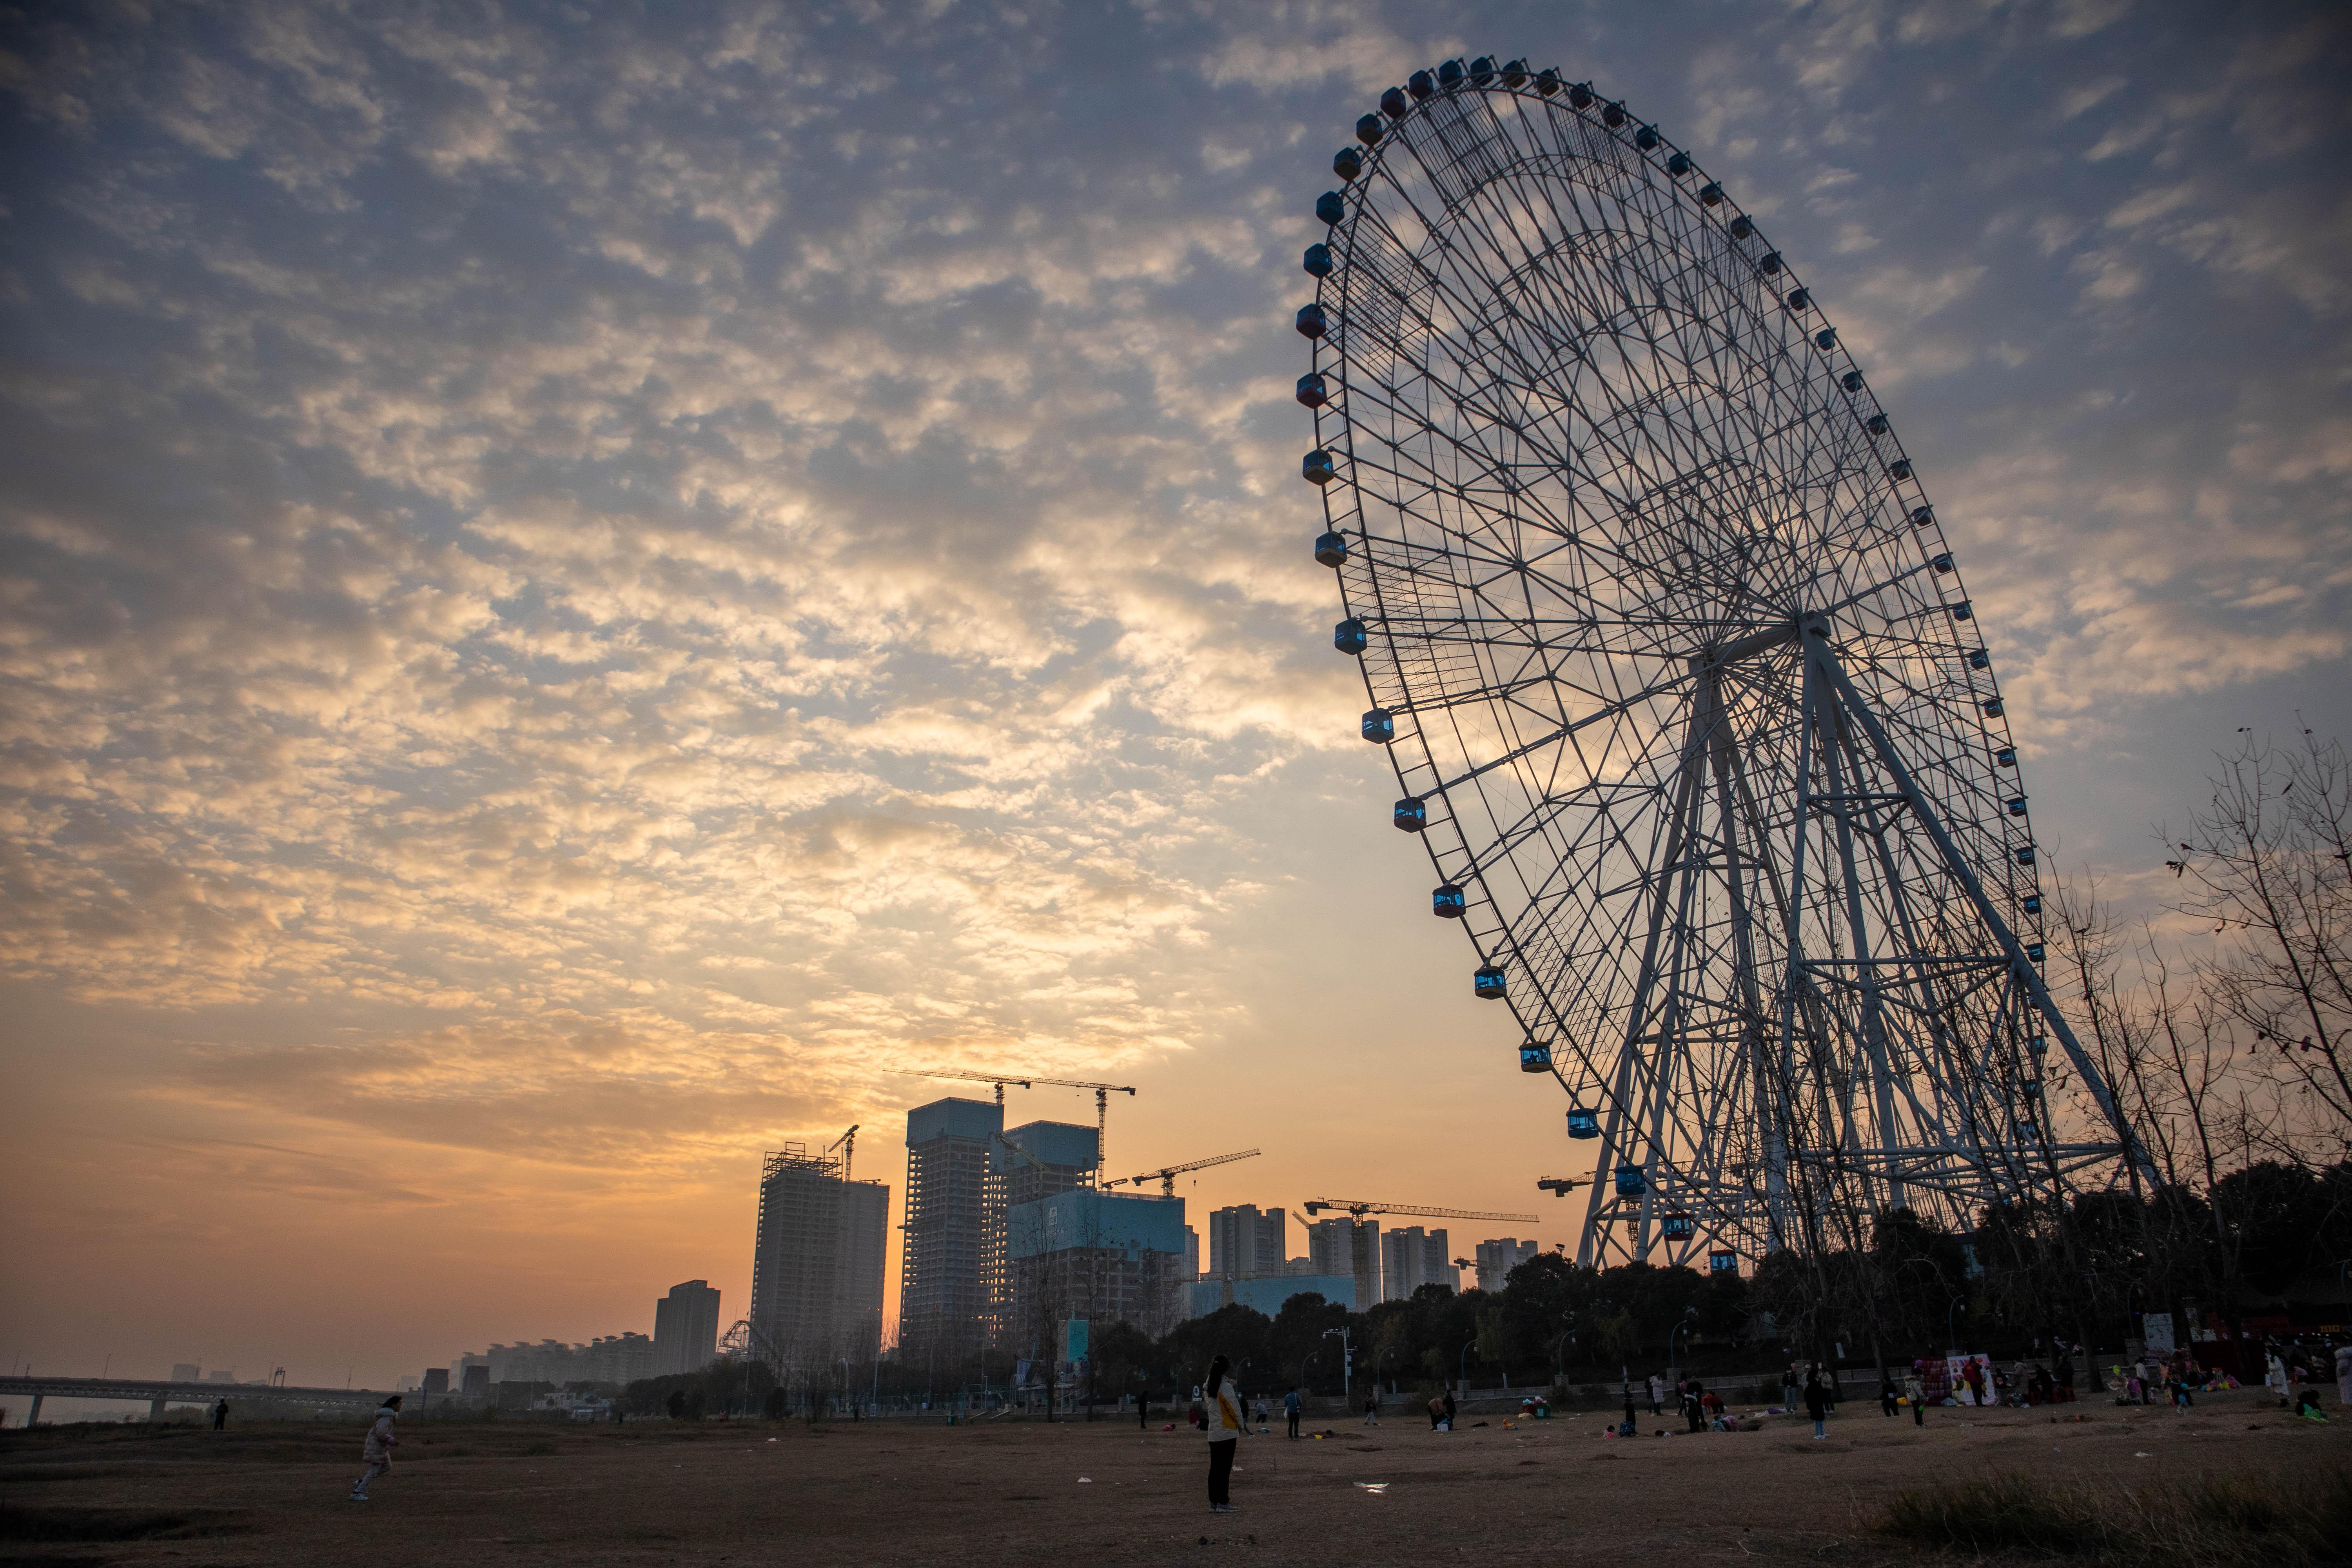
(598,553)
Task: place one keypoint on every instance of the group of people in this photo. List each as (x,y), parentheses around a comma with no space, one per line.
(1225,1415)
(2292,1370)
(1700,1406)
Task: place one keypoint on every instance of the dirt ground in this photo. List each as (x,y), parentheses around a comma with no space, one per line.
(895,1492)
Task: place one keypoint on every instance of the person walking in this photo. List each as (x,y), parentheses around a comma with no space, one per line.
(1290,1410)
(220,1416)
(1372,1407)
(1694,1411)
(1226,1424)
(1657,1393)
(376,1452)
(1915,1389)
(1817,1405)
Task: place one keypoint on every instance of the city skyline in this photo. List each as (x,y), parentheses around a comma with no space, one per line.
(580,600)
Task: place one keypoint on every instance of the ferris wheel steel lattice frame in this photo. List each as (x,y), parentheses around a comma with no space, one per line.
(1682,690)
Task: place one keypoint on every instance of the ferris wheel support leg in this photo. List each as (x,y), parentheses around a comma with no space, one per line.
(1794,939)
(1873,1015)
(1603,1196)
(1817,637)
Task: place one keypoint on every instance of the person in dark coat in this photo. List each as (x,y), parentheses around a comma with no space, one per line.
(1817,1405)
(1226,1424)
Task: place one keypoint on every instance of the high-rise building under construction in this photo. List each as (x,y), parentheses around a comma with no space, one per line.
(953,1265)
(817,1264)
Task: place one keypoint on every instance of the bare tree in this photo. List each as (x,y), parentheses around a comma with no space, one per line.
(2266,861)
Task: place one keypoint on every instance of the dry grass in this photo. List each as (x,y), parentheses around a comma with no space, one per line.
(2275,1520)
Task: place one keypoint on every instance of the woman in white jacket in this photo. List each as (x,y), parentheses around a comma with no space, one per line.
(1226,1424)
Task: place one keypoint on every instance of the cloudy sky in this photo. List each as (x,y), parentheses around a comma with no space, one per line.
(577,584)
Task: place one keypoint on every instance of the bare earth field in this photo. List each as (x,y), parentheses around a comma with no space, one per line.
(894,1492)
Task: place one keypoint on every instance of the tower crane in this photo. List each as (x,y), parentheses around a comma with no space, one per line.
(1167,1173)
(847,1144)
(1103,1092)
(1359,1208)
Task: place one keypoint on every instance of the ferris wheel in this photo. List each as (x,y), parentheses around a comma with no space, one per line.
(1681,686)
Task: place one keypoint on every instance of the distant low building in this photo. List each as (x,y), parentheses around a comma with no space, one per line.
(1267,1294)
(616,1358)
(187,1371)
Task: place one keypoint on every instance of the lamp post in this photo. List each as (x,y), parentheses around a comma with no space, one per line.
(1462,1365)
(1307,1362)
(1952,1344)
(1688,1313)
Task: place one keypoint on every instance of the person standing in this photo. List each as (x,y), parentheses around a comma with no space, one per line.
(1693,1412)
(1372,1407)
(2344,1374)
(1657,1393)
(1887,1395)
(1817,1405)
(376,1452)
(1226,1425)
(1449,1410)
(1290,1410)
(1915,1389)
(1143,1410)
(220,1416)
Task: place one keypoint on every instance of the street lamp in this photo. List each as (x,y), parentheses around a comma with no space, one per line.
(1559,1357)
(1462,1365)
(1303,1366)
(1949,1341)
(1688,1313)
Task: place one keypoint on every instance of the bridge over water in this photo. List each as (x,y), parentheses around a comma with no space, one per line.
(158,1392)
